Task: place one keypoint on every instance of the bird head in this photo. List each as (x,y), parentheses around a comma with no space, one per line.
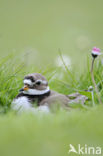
(35,84)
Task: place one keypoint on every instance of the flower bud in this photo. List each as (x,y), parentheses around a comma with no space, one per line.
(95,52)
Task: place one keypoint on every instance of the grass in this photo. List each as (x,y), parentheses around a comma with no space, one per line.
(44,135)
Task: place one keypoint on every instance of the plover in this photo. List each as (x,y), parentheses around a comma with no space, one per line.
(36,90)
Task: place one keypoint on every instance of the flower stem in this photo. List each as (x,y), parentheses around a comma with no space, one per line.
(94,83)
(93,98)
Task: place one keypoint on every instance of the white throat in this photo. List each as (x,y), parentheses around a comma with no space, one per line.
(36,92)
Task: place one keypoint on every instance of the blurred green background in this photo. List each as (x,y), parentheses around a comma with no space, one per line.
(40,28)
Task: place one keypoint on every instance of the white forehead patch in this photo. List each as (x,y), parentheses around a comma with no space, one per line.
(28,81)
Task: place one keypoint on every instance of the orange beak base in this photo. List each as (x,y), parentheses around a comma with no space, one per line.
(26,88)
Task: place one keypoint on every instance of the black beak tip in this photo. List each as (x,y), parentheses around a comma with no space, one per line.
(21,90)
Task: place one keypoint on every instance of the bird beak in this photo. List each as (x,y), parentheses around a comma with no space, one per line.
(21,90)
(24,89)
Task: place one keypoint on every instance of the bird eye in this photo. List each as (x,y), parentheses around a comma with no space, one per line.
(38,82)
